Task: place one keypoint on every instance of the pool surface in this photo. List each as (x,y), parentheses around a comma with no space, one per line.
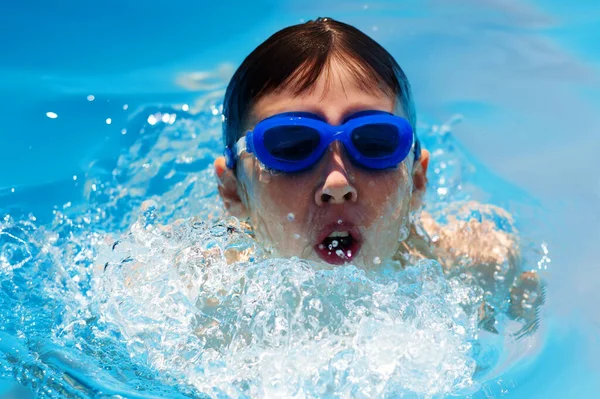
(105,106)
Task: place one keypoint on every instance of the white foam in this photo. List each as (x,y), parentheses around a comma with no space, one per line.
(281,327)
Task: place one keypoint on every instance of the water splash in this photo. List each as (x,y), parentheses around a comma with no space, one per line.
(105,300)
(283,328)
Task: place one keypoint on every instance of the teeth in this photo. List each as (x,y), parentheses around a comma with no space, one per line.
(339,234)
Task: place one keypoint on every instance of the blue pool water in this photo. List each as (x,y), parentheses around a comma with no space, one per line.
(523,75)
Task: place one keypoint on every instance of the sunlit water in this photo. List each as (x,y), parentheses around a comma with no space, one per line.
(108,298)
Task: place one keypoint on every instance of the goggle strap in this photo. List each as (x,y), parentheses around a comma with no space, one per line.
(231,155)
(417,148)
(229,158)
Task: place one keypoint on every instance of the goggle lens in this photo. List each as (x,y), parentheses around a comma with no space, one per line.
(291,143)
(376,140)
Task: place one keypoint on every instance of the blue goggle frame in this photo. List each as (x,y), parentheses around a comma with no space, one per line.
(254,141)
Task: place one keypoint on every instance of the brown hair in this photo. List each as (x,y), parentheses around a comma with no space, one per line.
(295,57)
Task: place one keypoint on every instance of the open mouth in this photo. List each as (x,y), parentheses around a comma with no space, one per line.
(339,246)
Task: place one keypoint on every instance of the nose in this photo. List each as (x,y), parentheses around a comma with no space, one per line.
(336,187)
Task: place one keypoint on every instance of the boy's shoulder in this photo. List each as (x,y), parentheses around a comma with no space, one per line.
(471,236)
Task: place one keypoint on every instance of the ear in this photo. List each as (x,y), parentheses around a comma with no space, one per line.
(419,179)
(420,171)
(228,189)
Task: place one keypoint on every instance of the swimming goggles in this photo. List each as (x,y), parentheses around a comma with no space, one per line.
(295,141)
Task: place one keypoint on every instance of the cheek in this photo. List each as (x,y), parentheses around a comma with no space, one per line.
(388,193)
(284,197)
(404,187)
(279,209)
(389,199)
(272,193)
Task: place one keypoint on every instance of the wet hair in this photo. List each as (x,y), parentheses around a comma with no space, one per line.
(295,57)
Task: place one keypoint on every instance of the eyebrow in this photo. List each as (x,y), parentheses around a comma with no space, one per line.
(364,112)
(349,112)
(255,118)
(299,114)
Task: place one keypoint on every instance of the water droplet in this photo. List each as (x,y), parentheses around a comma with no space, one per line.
(291,217)
(340,221)
(316,304)
(377,260)
(264,175)
(296,236)
(108,121)
(403,232)
(52,115)
(185,107)
(91,97)
(74,177)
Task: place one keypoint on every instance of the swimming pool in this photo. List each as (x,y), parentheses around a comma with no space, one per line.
(523,75)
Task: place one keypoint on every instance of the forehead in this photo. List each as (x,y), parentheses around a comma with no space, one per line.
(334,95)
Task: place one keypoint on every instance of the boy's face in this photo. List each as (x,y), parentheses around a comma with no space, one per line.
(335,207)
